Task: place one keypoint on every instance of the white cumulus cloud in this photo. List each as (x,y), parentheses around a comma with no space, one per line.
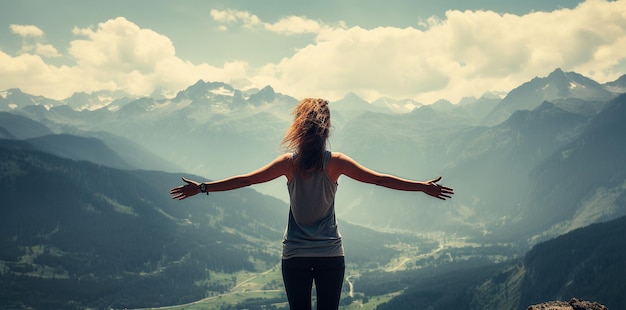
(230,16)
(115,55)
(287,25)
(32,37)
(464,53)
(46,50)
(294,25)
(26,30)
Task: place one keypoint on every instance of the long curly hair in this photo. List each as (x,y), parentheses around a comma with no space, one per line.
(308,133)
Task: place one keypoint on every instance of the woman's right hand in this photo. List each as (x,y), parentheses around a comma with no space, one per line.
(184,191)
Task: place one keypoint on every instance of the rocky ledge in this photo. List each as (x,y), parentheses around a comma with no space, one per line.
(573,304)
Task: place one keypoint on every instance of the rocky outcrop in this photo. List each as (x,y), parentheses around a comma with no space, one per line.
(573,304)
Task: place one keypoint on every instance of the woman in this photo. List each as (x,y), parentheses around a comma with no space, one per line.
(312,247)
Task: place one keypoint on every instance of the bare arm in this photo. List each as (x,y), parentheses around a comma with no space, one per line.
(278,167)
(343,164)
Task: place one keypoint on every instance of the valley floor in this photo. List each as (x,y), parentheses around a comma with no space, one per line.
(266,288)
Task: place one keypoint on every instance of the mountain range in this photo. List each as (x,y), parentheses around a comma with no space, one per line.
(487,147)
(543,160)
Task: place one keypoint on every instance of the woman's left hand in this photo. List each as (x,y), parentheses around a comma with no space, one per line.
(438,191)
(184,191)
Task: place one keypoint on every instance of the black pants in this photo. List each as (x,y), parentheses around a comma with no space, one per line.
(298,276)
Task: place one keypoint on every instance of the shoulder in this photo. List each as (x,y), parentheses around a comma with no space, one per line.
(286,158)
(339,158)
(336,155)
(338,164)
(285,161)
(281,165)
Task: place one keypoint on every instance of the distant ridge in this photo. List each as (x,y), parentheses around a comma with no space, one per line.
(20,127)
(557,85)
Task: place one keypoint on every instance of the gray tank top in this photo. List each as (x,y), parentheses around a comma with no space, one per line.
(312,227)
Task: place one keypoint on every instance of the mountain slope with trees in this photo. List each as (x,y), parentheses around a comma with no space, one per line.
(74,234)
(102,237)
(587,263)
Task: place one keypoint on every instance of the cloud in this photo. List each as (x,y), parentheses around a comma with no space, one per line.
(120,45)
(116,55)
(294,25)
(26,30)
(47,50)
(360,60)
(31,74)
(234,16)
(464,53)
(31,35)
(288,25)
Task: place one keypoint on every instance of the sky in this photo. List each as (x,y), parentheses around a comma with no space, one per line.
(400,49)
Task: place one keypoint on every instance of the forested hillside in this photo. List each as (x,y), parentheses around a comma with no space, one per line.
(587,263)
(74,234)
(94,236)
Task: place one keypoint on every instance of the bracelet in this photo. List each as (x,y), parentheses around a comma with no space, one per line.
(203,188)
